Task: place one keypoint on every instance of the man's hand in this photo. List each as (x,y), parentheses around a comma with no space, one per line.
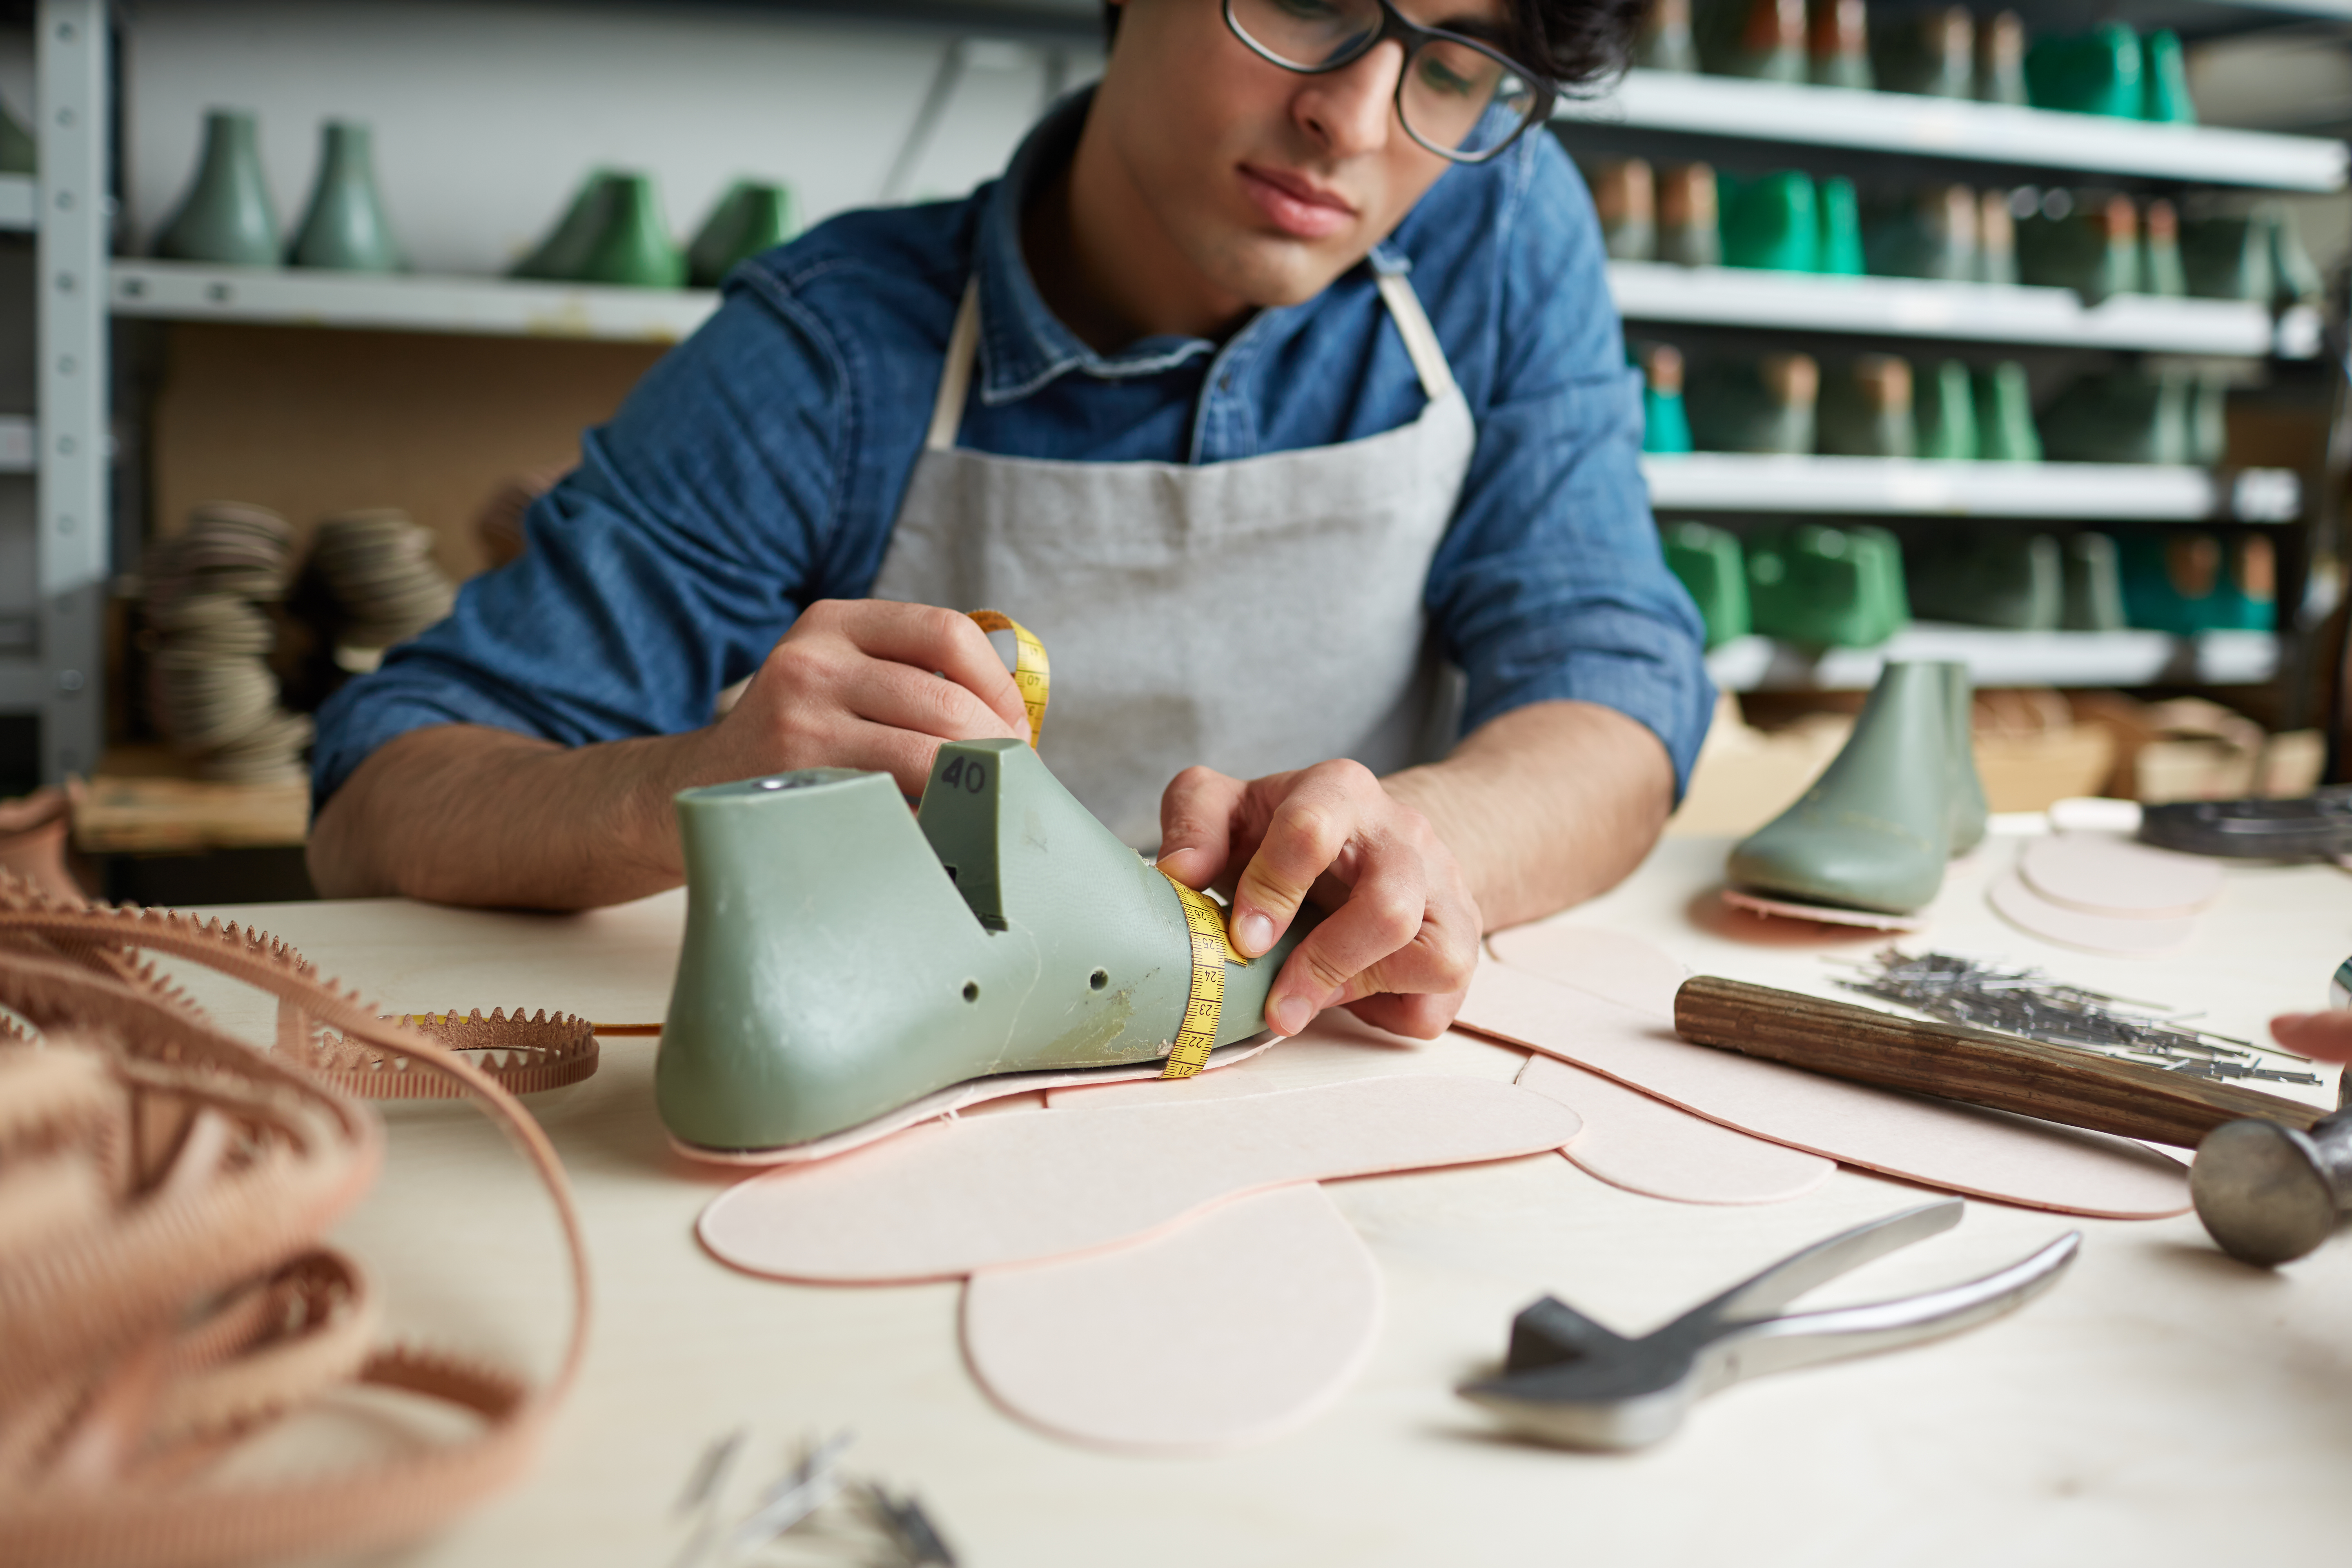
(1402,938)
(852,685)
(2324,1036)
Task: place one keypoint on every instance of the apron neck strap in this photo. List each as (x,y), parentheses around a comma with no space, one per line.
(963,350)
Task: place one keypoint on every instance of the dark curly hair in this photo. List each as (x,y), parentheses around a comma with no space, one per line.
(1570,42)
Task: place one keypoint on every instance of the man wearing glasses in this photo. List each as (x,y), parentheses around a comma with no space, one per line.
(1276,387)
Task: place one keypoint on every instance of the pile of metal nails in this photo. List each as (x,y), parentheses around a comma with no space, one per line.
(811,1512)
(2026,1002)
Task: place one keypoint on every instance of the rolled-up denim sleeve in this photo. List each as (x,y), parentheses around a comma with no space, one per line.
(1551,582)
(661,570)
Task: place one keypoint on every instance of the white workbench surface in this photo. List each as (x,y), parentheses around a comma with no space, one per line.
(2162,1405)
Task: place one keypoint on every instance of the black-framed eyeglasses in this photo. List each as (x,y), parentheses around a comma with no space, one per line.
(1457,96)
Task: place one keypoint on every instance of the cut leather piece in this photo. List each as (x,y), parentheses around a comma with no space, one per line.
(1960,1148)
(1785,909)
(963,1097)
(1238,1327)
(1641,1143)
(983,1194)
(2100,874)
(1624,969)
(2109,935)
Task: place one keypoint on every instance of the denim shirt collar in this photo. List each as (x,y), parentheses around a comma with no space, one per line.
(1022,344)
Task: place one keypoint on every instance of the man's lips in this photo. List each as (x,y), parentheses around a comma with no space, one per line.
(1296,207)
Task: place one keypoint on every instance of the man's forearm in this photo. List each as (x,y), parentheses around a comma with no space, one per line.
(1546,806)
(462,815)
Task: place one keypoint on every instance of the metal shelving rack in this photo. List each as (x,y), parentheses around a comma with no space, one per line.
(1760,124)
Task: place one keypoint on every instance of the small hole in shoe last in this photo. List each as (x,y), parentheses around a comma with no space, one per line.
(1098,979)
(972,990)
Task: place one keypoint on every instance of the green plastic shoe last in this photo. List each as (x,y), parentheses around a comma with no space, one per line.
(1626,199)
(2249,589)
(1760,38)
(1771,222)
(2000,578)
(1665,425)
(2098,72)
(1688,232)
(2092,250)
(1930,233)
(1996,239)
(1928,52)
(1867,410)
(749,218)
(2120,417)
(561,255)
(2005,429)
(1874,831)
(344,227)
(2294,276)
(1838,46)
(19,153)
(2229,258)
(2208,421)
(1765,407)
(1839,253)
(844,957)
(226,217)
(1710,565)
(2172,582)
(2160,271)
(1971,813)
(2164,74)
(1666,43)
(2094,590)
(1827,587)
(1943,409)
(632,250)
(2001,61)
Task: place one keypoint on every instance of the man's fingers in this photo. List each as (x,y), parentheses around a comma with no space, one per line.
(905,697)
(1416,1015)
(928,638)
(2327,1036)
(1303,837)
(1196,824)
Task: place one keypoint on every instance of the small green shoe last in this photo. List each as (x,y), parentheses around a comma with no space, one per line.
(1665,44)
(1874,831)
(2166,76)
(1839,253)
(2120,417)
(1943,409)
(558,257)
(1928,52)
(2000,59)
(1838,45)
(2094,250)
(1688,232)
(226,218)
(2229,258)
(2098,72)
(2095,592)
(1866,409)
(1666,425)
(844,957)
(632,250)
(1771,222)
(344,227)
(1931,232)
(1710,565)
(2160,271)
(1765,407)
(749,218)
(1999,578)
(2005,428)
(1827,587)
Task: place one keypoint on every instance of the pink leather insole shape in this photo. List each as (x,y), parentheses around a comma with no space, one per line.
(1961,1148)
(2100,874)
(1647,1146)
(1625,968)
(1238,1327)
(2124,937)
(944,1200)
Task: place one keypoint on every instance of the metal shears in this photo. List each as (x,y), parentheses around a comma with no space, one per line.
(1566,1380)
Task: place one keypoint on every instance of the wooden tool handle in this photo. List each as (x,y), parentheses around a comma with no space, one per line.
(2052,1082)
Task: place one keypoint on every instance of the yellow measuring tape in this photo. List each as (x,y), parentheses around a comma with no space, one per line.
(1031,672)
(1204,922)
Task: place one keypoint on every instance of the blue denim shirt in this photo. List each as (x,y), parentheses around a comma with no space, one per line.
(758,466)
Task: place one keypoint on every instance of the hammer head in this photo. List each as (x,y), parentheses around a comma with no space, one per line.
(2264,1190)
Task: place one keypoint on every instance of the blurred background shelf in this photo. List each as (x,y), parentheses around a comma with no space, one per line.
(1959,128)
(170,290)
(1973,312)
(1725,481)
(2004,658)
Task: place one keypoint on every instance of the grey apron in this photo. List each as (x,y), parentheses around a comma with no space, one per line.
(1255,615)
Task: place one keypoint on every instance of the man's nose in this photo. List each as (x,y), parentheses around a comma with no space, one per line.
(1349,111)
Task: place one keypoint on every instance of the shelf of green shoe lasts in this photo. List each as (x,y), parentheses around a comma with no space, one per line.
(1970,313)
(1960,129)
(1999,658)
(1892,487)
(499,306)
